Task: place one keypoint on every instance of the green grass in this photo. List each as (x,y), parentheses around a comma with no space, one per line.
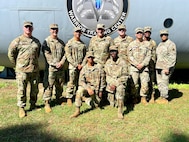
(151,123)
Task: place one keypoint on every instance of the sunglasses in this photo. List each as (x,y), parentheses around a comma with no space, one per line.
(28,26)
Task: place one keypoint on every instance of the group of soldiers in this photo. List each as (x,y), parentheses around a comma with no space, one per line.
(106,66)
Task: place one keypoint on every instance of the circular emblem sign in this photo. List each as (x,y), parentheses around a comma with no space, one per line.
(86,14)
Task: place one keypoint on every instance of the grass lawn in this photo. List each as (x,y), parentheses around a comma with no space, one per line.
(151,123)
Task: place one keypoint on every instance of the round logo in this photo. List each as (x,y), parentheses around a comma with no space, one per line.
(86,14)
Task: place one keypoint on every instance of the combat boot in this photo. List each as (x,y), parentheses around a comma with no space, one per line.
(22,112)
(143,100)
(76,113)
(120,109)
(162,100)
(47,107)
(69,102)
(152,98)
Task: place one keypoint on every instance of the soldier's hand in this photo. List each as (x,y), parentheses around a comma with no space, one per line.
(79,67)
(112,87)
(166,71)
(139,66)
(100,94)
(90,91)
(58,65)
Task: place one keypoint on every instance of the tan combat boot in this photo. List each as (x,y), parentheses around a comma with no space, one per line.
(143,100)
(47,107)
(120,109)
(162,100)
(76,113)
(22,112)
(69,102)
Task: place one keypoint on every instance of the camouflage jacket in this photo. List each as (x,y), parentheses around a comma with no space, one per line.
(123,43)
(100,47)
(116,73)
(139,53)
(153,46)
(166,55)
(53,50)
(75,52)
(92,77)
(24,53)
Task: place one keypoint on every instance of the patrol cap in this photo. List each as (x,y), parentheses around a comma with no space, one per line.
(89,54)
(77,29)
(53,26)
(28,23)
(100,26)
(164,31)
(139,29)
(113,47)
(121,27)
(147,29)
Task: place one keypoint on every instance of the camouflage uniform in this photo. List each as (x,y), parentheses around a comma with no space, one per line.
(75,53)
(90,77)
(100,47)
(24,52)
(122,44)
(152,72)
(166,59)
(139,53)
(54,52)
(116,74)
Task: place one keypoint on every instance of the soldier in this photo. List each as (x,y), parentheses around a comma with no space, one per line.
(116,79)
(75,52)
(139,57)
(100,44)
(91,84)
(53,49)
(166,60)
(24,52)
(152,73)
(123,41)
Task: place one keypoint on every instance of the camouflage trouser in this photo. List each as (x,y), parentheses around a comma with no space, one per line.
(73,83)
(22,81)
(144,79)
(118,95)
(55,78)
(163,82)
(81,92)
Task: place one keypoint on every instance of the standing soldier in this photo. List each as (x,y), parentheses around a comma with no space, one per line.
(152,72)
(139,57)
(91,84)
(166,60)
(75,52)
(123,41)
(100,44)
(53,49)
(116,79)
(24,53)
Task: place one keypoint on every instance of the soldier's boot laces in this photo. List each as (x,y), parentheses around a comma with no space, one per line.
(47,107)
(143,100)
(69,102)
(76,113)
(22,112)
(120,109)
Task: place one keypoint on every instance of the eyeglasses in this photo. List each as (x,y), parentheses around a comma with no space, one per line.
(121,30)
(54,28)
(91,57)
(164,35)
(28,26)
(139,32)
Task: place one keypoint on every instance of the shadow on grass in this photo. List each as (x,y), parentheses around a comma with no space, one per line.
(177,137)
(173,94)
(32,133)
